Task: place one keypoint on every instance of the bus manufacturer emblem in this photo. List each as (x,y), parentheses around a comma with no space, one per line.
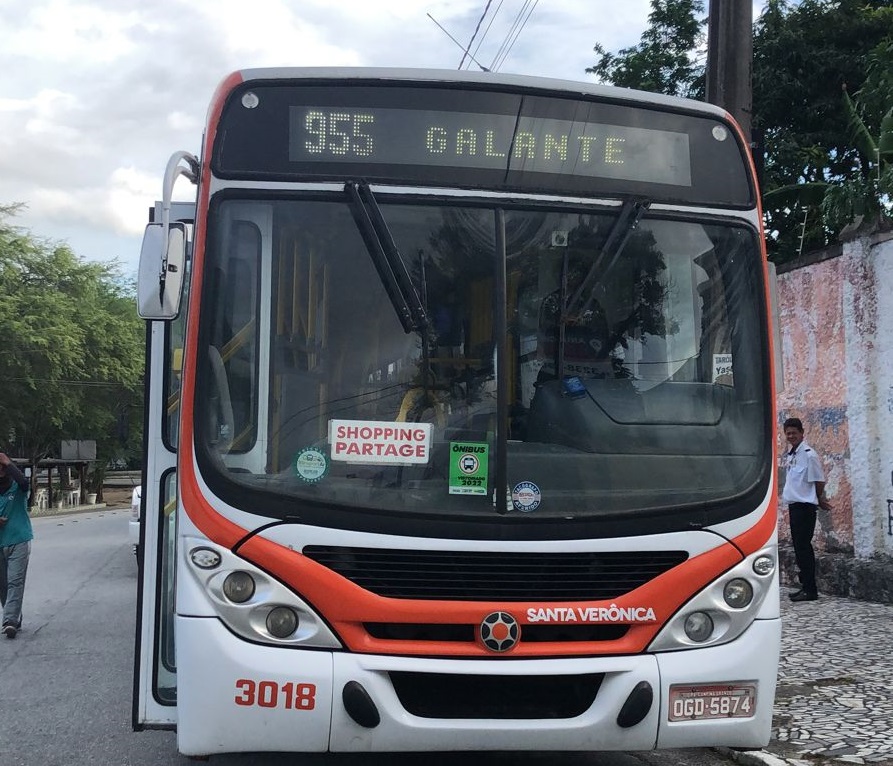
(499,631)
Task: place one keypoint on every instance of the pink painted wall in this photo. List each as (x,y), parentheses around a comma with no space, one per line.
(814,351)
(836,317)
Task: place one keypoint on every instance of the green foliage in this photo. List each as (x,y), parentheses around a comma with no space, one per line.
(861,200)
(664,60)
(72,359)
(864,196)
(876,93)
(804,53)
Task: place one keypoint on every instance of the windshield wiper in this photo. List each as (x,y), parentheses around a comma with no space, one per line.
(627,220)
(386,257)
(632,211)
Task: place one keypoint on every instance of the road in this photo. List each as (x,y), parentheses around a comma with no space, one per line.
(65,681)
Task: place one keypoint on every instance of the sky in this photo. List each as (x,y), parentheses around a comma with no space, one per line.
(96,95)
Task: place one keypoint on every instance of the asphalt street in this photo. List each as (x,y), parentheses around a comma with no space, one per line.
(65,681)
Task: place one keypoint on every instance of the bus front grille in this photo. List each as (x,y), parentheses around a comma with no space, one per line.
(404,631)
(495,576)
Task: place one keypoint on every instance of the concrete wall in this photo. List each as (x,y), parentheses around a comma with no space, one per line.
(836,323)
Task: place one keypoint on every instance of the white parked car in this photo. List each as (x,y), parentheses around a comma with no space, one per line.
(135,501)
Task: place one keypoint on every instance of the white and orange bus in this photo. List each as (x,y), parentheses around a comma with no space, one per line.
(460,422)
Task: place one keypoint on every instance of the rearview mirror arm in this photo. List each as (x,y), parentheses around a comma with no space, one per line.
(173,170)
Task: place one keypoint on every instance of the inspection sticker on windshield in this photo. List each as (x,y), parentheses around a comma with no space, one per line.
(378,442)
(526,496)
(468,468)
(311,464)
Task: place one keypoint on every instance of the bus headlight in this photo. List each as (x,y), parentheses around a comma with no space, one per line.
(282,621)
(738,593)
(724,608)
(250,602)
(698,626)
(238,587)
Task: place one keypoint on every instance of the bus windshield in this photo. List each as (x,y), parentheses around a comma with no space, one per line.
(348,364)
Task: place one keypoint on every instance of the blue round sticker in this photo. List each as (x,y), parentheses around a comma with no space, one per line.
(526,496)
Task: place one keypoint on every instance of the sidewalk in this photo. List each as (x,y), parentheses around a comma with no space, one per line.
(117,492)
(834,701)
(37,513)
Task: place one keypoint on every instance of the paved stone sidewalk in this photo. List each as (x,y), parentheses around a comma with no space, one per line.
(835,684)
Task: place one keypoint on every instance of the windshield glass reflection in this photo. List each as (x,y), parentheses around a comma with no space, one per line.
(355,363)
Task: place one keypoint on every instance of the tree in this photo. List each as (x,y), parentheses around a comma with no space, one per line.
(665,60)
(864,199)
(804,53)
(72,361)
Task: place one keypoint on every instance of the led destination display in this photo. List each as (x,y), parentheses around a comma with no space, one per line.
(498,139)
(489,141)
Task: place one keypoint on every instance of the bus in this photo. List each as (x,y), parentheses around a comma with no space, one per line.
(460,428)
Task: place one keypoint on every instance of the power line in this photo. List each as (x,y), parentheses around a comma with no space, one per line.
(457,42)
(476,30)
(489,26)
(508,35)
(513,34)
(518,33)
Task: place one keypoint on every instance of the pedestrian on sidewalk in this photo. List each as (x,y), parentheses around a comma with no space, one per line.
(15,543)
(804,491)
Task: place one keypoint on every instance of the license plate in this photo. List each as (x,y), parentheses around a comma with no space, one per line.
(701,702)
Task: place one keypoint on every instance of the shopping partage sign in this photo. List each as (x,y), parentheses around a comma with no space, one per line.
(380,442)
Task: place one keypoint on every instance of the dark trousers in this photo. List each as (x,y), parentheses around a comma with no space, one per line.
(803,517)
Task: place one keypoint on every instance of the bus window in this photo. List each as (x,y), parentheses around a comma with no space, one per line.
(232,351)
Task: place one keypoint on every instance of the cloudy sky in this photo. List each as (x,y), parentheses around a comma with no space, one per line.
(96,94)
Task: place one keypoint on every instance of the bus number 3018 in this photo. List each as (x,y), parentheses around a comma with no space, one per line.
(291,695)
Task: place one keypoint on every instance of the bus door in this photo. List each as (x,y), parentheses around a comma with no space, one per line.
(155,670)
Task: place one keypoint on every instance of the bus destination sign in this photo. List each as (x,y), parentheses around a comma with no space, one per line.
(495,139)
(484,141)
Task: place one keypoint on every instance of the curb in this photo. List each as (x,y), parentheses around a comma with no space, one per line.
(755,757)
(70,511)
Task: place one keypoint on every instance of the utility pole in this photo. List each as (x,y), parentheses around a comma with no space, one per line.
(730,59)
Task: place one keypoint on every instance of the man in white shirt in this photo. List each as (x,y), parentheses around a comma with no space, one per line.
(804,491)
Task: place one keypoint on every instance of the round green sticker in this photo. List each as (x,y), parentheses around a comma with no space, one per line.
(311,464)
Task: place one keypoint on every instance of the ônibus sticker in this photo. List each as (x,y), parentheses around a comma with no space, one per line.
(468,468)
(526,496)
(311,464)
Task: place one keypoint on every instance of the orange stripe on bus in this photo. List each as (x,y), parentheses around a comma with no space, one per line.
(346,606)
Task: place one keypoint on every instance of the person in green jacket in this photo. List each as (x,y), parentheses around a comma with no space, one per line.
(15,543)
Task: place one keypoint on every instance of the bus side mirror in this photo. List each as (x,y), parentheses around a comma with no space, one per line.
(161,271)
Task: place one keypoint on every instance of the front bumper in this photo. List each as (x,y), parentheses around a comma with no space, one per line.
(234,696)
